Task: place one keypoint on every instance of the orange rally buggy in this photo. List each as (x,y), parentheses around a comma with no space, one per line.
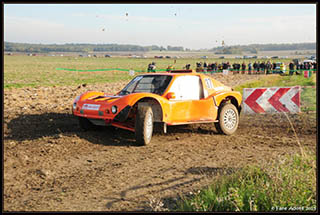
(161,99)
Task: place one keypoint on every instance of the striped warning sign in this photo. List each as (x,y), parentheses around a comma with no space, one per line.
(271,100)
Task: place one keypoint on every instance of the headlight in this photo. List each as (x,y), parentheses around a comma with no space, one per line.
(74,106)
(77,99)
(114,109)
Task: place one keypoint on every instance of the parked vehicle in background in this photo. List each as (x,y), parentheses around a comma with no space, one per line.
(107,55)
(312,57)
(309,61)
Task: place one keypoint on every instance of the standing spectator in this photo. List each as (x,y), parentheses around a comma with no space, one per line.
(243,68)
(262,66)
(153,66)
(238,67)
(297,68)
(228,65)
(258,67)
(199,67)
(291,68)
(249,68)
(224,66)
(188,66)
(274,66)
(281,67)
(255,67)
(269,67)
(234,67)
(215,67)
(205,64)
(315,67)
(212,67)
(205,67)
(149,67)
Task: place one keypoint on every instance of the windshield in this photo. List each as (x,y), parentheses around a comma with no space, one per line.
(147,84)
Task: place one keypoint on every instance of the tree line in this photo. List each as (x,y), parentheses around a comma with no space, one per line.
(75,47)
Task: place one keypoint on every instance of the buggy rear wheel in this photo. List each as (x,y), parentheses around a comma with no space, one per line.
(228,119)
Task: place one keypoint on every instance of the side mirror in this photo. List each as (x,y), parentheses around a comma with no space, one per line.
(171,95)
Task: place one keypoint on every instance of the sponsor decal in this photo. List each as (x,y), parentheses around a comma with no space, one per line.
(90,107)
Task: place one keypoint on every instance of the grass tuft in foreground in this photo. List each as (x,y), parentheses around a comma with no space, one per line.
(288,185)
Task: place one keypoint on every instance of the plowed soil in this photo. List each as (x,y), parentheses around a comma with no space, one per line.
(50,165)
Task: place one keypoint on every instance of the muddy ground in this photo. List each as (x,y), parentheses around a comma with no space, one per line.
(50,165)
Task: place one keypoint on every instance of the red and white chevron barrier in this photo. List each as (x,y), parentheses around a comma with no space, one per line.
(271,100)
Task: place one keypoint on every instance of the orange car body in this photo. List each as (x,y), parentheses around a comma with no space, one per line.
(97,106)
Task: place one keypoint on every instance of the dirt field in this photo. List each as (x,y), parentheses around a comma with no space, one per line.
(49,165)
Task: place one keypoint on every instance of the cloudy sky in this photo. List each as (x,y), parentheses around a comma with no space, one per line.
(192,26)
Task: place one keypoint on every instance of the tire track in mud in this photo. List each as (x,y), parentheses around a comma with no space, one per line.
(50,165)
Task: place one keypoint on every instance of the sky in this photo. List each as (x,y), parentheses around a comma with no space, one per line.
(193,26)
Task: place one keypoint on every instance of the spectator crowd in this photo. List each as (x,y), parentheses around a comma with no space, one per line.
(257,67)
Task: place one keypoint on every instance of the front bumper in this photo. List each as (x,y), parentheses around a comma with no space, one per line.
(104,117)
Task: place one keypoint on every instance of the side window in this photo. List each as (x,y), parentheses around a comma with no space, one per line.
(187,88)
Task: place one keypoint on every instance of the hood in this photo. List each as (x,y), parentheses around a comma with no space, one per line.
(103,98)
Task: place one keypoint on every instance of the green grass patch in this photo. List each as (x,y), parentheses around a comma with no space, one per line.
(26,71)
(22,71)
(308,99)
(289,185)
(278,81)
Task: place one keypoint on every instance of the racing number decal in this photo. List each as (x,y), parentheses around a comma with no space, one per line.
(208,83)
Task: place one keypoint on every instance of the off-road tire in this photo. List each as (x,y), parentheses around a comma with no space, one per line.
(159,128)
(144,125)
(85,124)
(228,119)
(218,128)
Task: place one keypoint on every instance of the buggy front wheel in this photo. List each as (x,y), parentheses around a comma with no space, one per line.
(144,125)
